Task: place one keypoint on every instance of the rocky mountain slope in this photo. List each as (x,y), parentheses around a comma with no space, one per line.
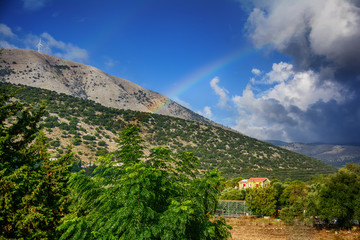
(336,155)
(31,68)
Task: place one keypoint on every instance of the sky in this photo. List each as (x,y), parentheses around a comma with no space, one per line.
(284,70)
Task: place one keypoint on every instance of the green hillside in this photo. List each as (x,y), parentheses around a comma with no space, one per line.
(92,129)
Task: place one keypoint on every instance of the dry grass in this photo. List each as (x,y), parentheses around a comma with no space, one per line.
(248,228)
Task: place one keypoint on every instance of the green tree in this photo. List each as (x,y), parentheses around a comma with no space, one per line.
(130,148)
(160,198)
(293,201)
(102,143)
(352,167)
(261,200)
(33,190)
(233,182)
(336,198)
(232,194)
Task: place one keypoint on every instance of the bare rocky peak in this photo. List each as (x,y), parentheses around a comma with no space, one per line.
(31,68)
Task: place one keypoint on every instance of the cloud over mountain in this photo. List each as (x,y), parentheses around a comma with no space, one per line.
(49,44)
(316,97)
(221,92)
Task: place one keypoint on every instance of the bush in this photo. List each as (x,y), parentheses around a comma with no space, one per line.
(89,137)
(55,143)
(232,194)
(77,142)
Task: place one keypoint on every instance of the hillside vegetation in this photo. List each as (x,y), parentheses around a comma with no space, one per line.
(92,129)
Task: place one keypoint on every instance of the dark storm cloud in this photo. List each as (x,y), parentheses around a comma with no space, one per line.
(315,33)
(323,37)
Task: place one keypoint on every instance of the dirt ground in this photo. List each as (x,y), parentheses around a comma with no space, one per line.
(247,228)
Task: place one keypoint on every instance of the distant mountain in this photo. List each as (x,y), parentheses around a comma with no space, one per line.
(336,155)
(277,142)
(35,69)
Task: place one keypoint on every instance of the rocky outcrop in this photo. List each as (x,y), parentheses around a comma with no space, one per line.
(31,68)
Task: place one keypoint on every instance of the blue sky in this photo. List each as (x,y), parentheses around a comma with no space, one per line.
(284,70)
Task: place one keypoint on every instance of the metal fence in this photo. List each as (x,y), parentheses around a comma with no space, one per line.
(232,208)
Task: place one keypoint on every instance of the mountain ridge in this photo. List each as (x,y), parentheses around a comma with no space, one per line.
(36,69)
(334,154)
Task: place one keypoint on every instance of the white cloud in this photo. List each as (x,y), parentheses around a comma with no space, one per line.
(256,71)
(316,99)
(55,47)
(280,72)
(267,26)
(33,5)
(5,44)
(221,92)
(109,62)
(6,31)
(49,44)
(304,89)
(61,49)
(206,112)
(330,28)
(276,112)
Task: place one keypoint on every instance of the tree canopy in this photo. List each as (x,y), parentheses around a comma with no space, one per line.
(33,190)
(261,200)
(158,196)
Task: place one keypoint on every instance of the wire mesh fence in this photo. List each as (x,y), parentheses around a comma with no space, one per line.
(232,208)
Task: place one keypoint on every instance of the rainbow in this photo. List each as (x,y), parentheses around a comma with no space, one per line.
(204,73)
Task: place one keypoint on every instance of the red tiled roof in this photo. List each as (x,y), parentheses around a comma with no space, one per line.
(256,179)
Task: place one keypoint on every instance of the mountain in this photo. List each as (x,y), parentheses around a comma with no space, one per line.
(336,155)
(35,69)
(92,129)
(87,108)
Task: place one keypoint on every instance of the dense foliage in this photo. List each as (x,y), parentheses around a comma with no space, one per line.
(92,128)
(232,193)
(335,199)
(327,201)
(135,196)
(33,190)
(137,193)
(261,200)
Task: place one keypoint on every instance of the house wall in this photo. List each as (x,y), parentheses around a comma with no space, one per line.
(251,184)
